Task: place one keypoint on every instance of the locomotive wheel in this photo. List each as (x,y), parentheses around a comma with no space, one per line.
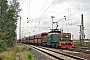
(57,46)
(53,45)
(44,44)
(49,46)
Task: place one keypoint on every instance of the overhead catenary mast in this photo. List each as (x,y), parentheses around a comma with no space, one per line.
(52,21)
(82,30)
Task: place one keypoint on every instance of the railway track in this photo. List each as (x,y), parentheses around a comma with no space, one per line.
(57,55)
(78,49)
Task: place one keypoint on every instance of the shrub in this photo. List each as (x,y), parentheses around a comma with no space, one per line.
(30,56)
(78,43)
(2,45)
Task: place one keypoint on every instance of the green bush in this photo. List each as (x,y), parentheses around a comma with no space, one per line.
(2,45)
(30,56)
(0,58)
(86,44)
(17,49)
(78,43)
(30,48)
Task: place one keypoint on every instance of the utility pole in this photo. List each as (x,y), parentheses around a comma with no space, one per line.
(80,34)
(0,11)
(82,30)
(20,29)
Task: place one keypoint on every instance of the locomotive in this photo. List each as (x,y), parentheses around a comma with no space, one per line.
(54,38)
(58,40)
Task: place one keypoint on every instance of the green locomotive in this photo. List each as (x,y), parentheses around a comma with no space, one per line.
(57,39)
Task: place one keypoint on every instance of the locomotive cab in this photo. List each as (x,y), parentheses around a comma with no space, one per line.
(66,41)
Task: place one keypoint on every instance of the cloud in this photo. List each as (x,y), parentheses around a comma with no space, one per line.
(39,14)
(21,1)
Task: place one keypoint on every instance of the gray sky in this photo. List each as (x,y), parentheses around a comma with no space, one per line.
(39,14)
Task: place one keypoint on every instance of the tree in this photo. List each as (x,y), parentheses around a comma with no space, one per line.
(8,18)
(12,16)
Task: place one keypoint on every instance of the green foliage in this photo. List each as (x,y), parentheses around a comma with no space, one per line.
(2,45)
(0,58)
(78,43)
(8,18)
(30,56)
(86,43)
(11,56)
(27,49)
(30,48)
(11,53)
(17,49)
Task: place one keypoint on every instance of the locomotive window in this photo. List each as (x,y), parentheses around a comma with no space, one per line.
(44,35)
(67,37)
(52,33)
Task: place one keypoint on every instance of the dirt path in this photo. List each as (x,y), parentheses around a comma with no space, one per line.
(22,56)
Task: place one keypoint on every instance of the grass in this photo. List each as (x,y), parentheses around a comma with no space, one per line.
(10,54)
(26,52)
(30,56)
(80,44)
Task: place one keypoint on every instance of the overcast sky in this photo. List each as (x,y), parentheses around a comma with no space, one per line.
(39,14)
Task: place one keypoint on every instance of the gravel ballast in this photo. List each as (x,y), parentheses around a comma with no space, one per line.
(40,56)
